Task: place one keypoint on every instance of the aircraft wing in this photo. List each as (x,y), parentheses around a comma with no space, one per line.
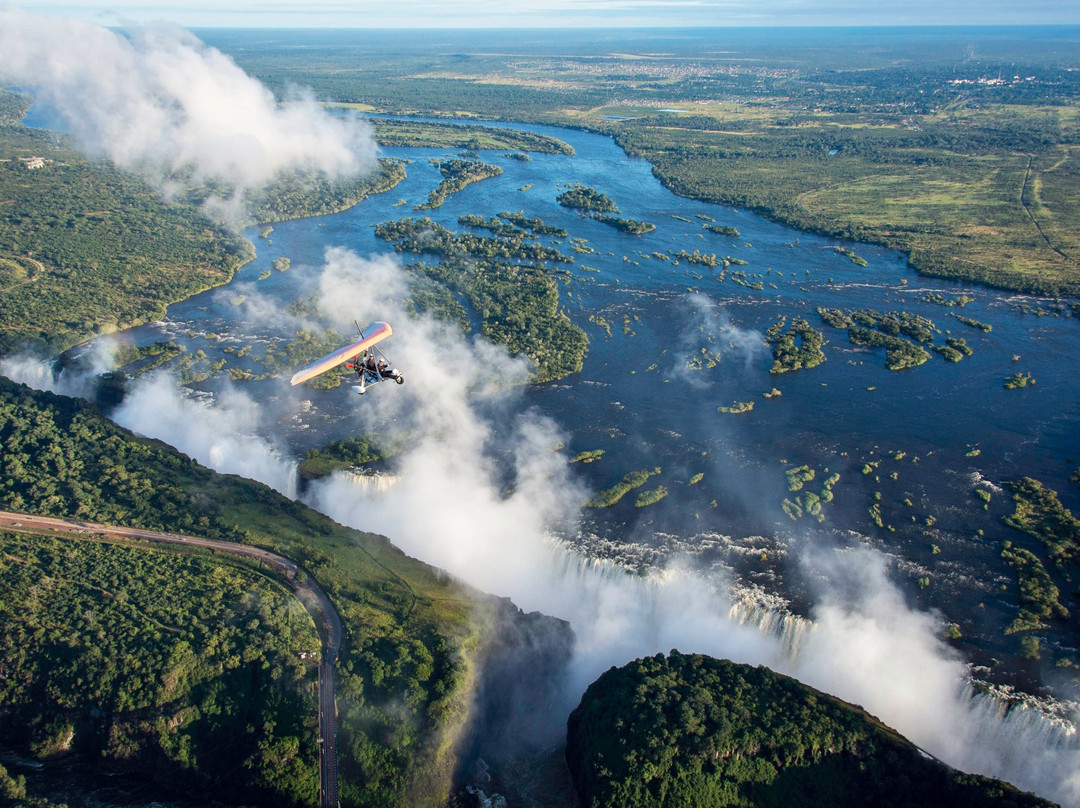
(376,332)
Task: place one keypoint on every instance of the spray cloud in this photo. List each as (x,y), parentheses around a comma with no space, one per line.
(160,102)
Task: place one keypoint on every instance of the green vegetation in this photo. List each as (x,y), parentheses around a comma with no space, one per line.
(408,652)
(609,496)
(582,197)
(457,174)
(1039,596)
(496,226)
(1040,513)
(807,503)
(1018,381)
(876,330)
(517,305)
(899,353)
(701,259)
(339,454)
(536,226)
(855,259)
(799,476)
(590,456)
(687,730)
(427,236)
(631,226)
(127,655)
(722,230)
(797,348)
(646,498)
(295,195)
(86,249)
(944,300)
(954,349)
(986,328)
(737,408)
(438,134)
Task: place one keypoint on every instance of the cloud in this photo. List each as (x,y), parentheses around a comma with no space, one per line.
(225,433)
(159,101)
(76,379)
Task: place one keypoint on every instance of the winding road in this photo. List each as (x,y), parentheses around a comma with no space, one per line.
(306,589)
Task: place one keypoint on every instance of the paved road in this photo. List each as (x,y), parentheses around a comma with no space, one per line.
(307,591)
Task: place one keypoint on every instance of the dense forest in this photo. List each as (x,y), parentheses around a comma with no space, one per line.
(86,249)
(189,670)
(406,660)
(692,730)
(501,281)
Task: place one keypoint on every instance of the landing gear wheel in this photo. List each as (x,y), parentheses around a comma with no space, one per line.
(399,379)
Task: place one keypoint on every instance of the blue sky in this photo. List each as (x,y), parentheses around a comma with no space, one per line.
(558,13)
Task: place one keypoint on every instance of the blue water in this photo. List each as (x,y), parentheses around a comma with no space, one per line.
(636,400)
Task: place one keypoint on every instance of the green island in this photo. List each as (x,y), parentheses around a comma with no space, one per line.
(651,497)
(534,225)
(630,481)
(687,729)
(986,328)
(722,230)
(874,329)
(457,174)
(407,662)
(590,456)
(339,454)
(737,408)
(796,347)
(804,502)
(1018,381)
(582,197)
(1039,595)
(427,236)
(439,134)
(298,195)
(495,225)
(517,305)
(624,225)
(954,349)
(1040,513)
(850,255)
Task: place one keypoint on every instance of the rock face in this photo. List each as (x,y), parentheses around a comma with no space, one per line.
(518,685)
(690,730)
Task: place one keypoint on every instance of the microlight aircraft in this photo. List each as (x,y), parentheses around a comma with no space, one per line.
(363,356)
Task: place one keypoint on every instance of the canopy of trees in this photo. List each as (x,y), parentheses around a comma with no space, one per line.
(692,730)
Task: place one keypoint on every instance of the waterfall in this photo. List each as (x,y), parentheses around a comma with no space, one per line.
(370,482)
(789,629)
